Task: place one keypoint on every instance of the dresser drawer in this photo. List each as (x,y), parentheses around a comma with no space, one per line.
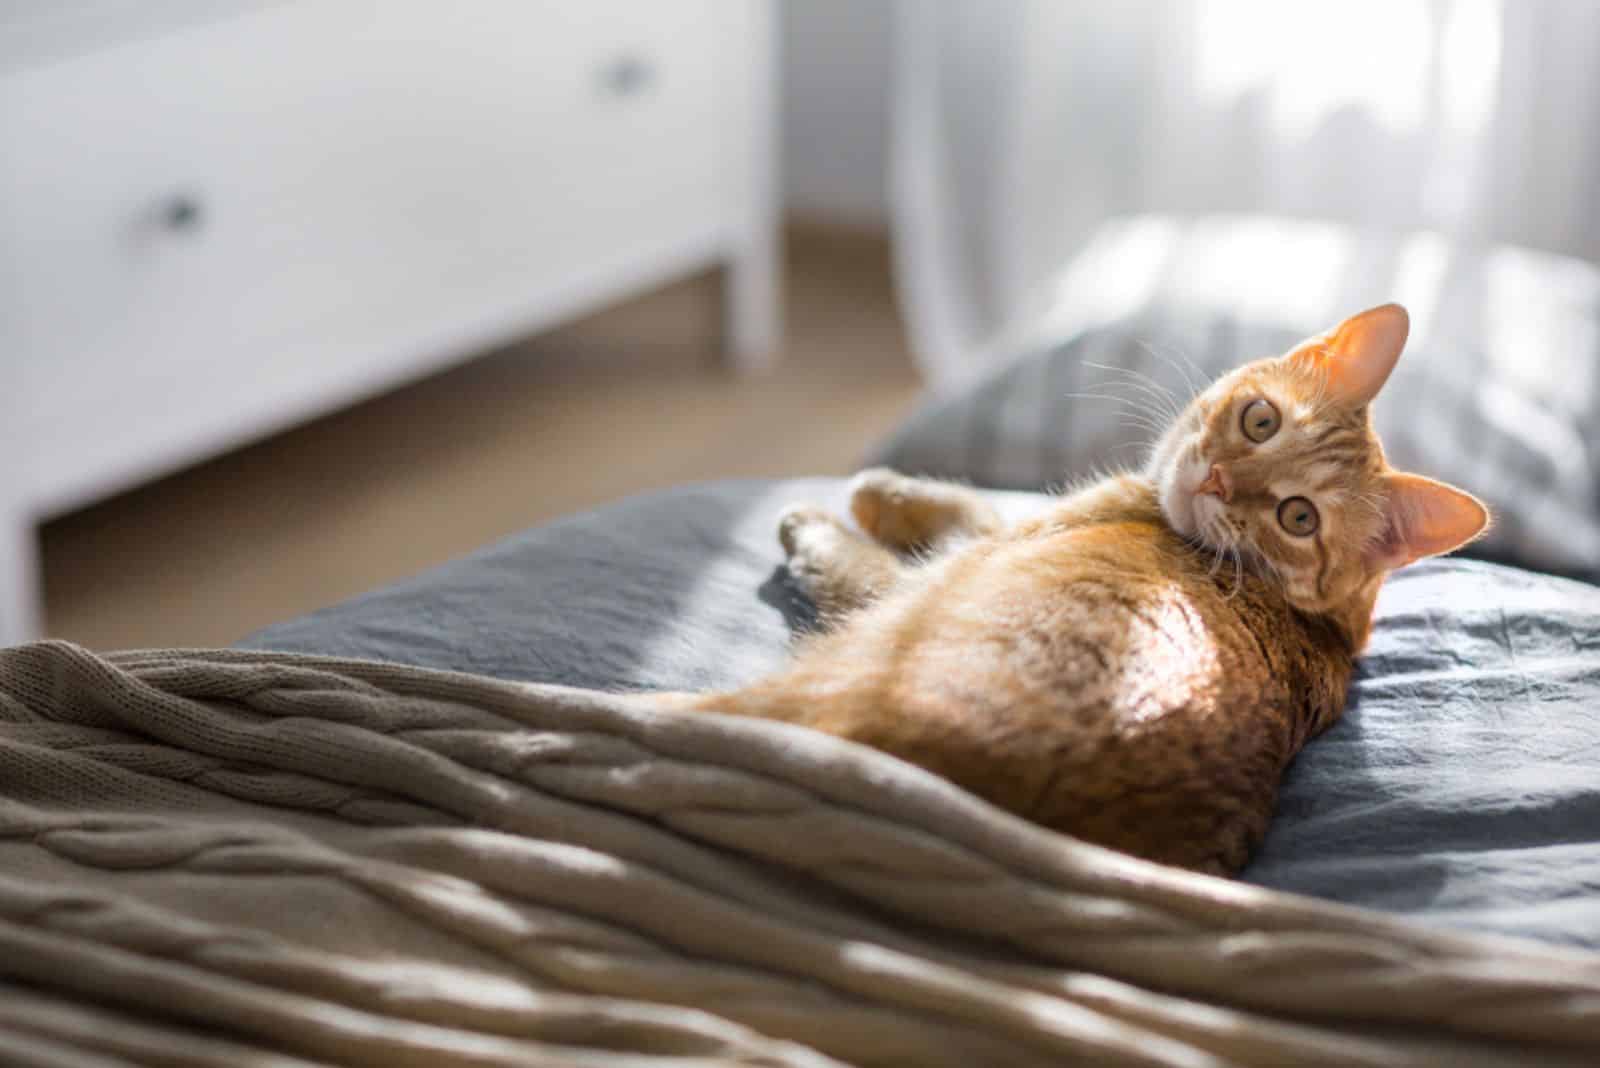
(268,201)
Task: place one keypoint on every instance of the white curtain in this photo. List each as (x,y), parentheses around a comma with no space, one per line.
(1477,118)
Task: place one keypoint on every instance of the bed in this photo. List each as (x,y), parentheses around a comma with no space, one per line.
(1463,785)
(442,823)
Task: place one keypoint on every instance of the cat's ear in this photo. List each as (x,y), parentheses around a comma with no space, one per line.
(1358,354)
(1424,518)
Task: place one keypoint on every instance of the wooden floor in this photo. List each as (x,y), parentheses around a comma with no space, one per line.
(628,400)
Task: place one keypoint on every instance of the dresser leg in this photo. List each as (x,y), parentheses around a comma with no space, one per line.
(752,304)
(20,616)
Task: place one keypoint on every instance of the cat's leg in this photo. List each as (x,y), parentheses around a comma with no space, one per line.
(1107,499)
(836,567)
(912,513)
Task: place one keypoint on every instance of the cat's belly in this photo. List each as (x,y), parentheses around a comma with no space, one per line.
(1091,629)
(1098,690)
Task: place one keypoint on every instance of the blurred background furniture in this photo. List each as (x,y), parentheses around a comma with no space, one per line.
(220,220)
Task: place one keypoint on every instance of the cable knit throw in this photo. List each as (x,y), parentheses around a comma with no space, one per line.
(237,858)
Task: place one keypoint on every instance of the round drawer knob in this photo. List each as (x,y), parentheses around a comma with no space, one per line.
(182,213)
(627,75)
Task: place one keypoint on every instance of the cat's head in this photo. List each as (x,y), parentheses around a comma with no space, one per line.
(1278,461)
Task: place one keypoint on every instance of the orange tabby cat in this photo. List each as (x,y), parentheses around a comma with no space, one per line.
(1093,669)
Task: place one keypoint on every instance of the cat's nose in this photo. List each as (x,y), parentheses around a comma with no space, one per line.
(1217,483)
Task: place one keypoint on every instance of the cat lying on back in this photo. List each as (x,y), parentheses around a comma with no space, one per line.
(1093,669)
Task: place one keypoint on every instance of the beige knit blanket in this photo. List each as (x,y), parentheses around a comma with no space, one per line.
(228,858)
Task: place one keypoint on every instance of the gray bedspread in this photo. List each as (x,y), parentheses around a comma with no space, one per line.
(1462,786)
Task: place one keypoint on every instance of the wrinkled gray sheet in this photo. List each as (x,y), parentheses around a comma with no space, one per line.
(1462,786)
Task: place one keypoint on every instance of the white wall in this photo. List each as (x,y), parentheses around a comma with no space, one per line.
(836,57)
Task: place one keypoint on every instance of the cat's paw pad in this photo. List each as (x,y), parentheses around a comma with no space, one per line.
(795,520)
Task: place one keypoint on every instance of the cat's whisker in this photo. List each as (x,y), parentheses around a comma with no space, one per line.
(1154,429)
(1158,393)
(1199,372)
(1217,539)
(1133,376)
(1232,554)
(1226,546)
(1146,398)
(1126,402)
(1134,414)
(1238,573)
(1194,390)
(1147,428)
(1166,407)
(1145,393)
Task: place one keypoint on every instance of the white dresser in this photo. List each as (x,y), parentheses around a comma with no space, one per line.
(220,218)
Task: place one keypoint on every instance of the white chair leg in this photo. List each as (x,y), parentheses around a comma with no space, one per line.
(21,615)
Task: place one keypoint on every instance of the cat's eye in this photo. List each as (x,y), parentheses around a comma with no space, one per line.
(1260,420)
(1298,516)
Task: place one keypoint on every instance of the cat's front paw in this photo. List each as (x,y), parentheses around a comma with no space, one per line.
(796,520)
(833,565)
(875,499)
(909,514)
(887,506)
